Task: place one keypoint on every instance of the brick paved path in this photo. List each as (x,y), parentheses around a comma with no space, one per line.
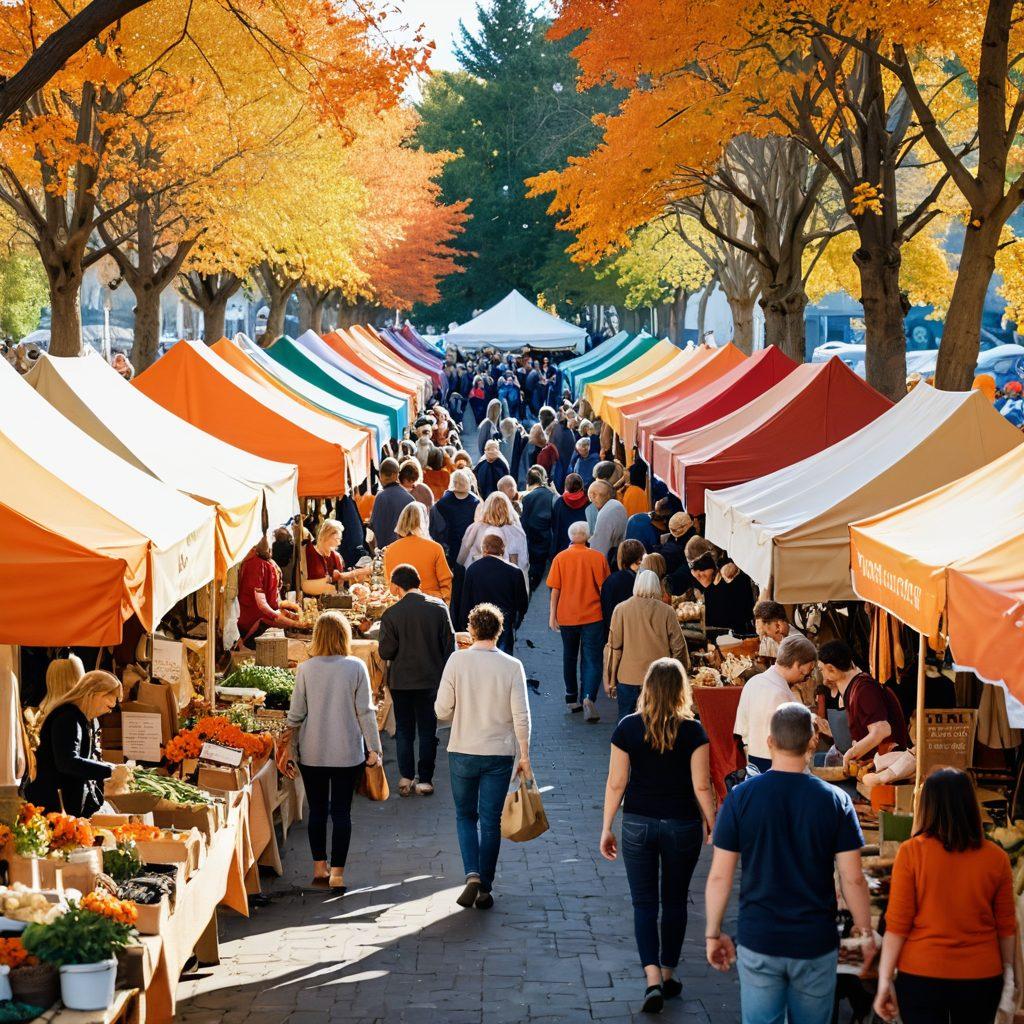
(558,946)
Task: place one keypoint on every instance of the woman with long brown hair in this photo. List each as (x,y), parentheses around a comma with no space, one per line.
(950,924)
(659,763)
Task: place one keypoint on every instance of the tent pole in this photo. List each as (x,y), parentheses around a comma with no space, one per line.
(211,646)
(922,651)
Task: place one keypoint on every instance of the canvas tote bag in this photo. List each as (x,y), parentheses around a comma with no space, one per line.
(523,817)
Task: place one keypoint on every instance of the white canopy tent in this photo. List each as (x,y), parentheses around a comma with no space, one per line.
(514,323)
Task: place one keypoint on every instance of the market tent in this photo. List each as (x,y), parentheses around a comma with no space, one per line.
(67,493)
(651,367)
(707,366)
(514,323)
(900,558)
(432,348)
(344,352)
(412,354)
(196,385)
(733,390)
(253,362)
(376,349)
(604,350)
(791,528)
(637,347)
(241,487)
(363,403)
(814,407)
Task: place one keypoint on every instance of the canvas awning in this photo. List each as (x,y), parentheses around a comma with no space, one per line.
(342,351)
(434,347)
(514,323)
(604,350)
(374,348)
(411,353)
(706,366)
(614,362)
(653,361)
(94,397)
(791,528)
(900,559)
(732,391)
(139,545)
(815,406)
(198,386)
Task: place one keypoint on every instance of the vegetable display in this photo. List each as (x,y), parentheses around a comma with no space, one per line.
(20,903)
(123,862)
(217,729)
(276,683)
(145,780)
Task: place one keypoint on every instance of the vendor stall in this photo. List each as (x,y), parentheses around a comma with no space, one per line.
(659,364)
(343,350)
(601,352)
(513,323)
(611,363)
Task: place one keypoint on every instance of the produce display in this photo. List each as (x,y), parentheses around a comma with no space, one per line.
(122,863)
(53,835)
(20,903)
(145,780)
(276,683)
(146,889)
(217,729)
(689,611)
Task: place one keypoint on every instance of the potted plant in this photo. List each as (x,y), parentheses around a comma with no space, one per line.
(83,943)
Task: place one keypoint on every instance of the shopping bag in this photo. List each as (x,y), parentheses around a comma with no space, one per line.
(523,817)
(374,784)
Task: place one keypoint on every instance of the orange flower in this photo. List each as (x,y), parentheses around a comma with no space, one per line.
(99,902)
(14,954)
(135,831)
(6,835)
(28,812)
(217,729)
(68,832)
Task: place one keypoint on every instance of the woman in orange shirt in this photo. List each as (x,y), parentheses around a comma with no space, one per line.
(414,547)
(950,924)
(435,476)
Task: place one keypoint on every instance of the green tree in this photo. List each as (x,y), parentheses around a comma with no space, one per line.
(23,293)
(510,113)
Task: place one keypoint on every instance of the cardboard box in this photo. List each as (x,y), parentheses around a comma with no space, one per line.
(43,872)
(116,820)
(222,778)
(187,852)
(152,917)
(206,818)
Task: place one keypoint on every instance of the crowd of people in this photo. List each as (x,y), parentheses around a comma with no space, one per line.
(468,535)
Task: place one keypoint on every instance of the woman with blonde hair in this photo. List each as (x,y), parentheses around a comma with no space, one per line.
(334,734)
(659,763)
(69,770)
(324,567)
(414,547)
(61,675)
(498,516)
(656,563)
(643,629)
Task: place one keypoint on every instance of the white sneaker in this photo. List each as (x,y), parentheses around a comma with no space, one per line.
(590,712)
(571,709)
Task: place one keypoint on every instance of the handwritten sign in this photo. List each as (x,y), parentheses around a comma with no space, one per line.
(948,739)
(167,656)
(141,734)
(218,753)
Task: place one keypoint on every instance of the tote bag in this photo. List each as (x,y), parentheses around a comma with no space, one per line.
(523,817)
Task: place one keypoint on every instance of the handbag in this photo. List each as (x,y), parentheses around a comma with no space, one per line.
(374,783)
(522,816)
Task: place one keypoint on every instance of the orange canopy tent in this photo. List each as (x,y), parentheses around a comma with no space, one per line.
(117,540)
(198,386)
(705,367)
(385,369)
(372,345)
(638,380)
(742,384)
(815,406)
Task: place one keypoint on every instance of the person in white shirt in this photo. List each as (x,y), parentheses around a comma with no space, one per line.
(765,692)
(498,517)
(610,525)
(483,695)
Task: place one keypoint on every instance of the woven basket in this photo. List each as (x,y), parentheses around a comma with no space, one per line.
(38,985)
(272,650)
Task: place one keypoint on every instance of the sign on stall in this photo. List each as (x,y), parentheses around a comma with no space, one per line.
(948,739)
(141,735)
(167,655)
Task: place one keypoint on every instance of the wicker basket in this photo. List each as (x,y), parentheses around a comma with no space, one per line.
(38,985)
(272,650)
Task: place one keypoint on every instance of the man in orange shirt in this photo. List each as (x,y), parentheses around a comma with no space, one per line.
(575,580)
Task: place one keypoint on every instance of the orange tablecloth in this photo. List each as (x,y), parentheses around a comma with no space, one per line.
(716,706)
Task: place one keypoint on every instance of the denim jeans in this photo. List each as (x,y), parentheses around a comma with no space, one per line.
(660,855)
(585,645)
(776,989)
(626,696)
(329,790)
(414,713)
(479,786)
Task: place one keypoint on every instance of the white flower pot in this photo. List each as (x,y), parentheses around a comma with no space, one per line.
(5,983)
(88,986)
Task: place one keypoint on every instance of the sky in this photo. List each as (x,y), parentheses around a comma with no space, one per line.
(441,20)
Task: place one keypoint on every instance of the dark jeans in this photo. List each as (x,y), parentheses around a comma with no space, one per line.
(626,696)
(670,849)
(414,713)
(538,567)
(584,645)
(947,1001)
(330,788)
(507,641)
(479,785)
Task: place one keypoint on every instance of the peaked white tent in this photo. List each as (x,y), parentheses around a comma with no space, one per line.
(513,323)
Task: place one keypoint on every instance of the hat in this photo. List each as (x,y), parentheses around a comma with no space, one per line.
(679,524)
(700,554)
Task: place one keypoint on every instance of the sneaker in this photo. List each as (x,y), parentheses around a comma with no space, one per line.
(590,712)
(574,708)
(671,988)
(406,787)
(654,1000)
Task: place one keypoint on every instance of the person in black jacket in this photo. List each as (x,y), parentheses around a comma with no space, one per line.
(450,518)
(570,508)
(619,586)
(416,639)
(69,770)
(492,580)
(538,504)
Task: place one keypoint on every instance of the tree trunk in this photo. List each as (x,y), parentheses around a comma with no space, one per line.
(742,309)
(784,323)
(278,306)
(885,308)
(961,333)
(146,346)
(677,316)
(65,315)
(215,314)
(311,309)
(702,309)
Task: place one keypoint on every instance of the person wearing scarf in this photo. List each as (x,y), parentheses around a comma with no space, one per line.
(570,508)
(490,469)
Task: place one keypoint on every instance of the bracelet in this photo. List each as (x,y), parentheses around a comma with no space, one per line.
(709,938)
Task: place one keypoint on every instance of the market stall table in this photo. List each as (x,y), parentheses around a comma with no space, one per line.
(127,1008)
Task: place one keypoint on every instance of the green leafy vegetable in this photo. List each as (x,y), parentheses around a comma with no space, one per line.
(276,683)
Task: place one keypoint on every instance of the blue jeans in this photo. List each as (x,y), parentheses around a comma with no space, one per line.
(626,696)
(668,848)
(479,785)
(584,645)
(774,989)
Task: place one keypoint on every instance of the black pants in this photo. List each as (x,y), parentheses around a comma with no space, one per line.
(414,713)
(330,789)
(947,1001)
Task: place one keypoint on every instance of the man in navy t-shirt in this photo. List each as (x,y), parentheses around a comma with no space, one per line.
(790,829)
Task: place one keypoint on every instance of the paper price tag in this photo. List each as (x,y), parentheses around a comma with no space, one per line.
(141,735)
(167,656)
(218,753)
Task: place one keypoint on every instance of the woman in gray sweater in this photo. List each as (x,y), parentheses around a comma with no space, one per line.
(334,723)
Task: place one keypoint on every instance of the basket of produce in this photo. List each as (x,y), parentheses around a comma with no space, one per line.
(690,611)
(277,683)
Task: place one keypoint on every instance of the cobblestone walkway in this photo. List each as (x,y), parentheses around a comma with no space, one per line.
(558,945)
